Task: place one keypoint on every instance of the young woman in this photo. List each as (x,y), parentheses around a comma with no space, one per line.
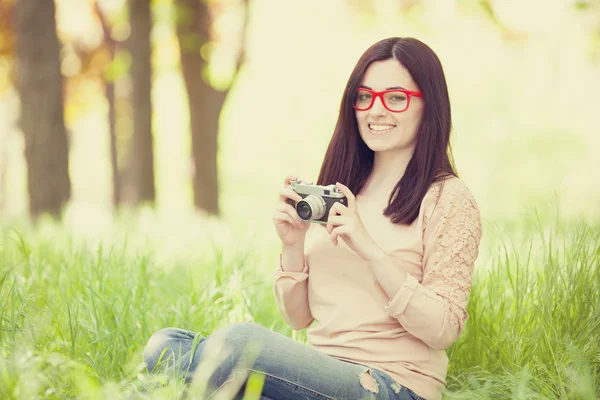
(383,286)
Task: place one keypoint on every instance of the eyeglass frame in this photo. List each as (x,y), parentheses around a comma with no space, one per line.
(375,94)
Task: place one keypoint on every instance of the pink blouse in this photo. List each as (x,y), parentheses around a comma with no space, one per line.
(405,333)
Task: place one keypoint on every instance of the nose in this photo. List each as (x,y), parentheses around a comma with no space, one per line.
(378,108)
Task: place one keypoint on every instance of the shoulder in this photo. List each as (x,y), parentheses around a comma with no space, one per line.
(449,189)
(449,195)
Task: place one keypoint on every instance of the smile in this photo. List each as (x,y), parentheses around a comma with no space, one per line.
(380,128)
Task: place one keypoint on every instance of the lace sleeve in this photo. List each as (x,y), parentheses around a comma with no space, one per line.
(451,235)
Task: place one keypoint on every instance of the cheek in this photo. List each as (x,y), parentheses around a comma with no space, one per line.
(361,123)
(410,119)
(359,117)
(418,115)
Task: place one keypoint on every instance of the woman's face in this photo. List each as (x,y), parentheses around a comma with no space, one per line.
(381,129)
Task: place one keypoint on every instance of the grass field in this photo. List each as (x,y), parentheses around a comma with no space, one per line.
(76,310)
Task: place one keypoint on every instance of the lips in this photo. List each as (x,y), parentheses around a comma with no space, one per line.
(381,128)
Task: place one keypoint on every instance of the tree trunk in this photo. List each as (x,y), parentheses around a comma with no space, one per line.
(109,91)
(141,160)
(112,123)
(193,30)
(205,103)
(205,110)
(3,171)
(40,86)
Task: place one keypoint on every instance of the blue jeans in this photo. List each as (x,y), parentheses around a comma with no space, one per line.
(291,370)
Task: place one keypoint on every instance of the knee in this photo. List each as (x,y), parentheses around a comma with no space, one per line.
(236,342)
(240,340)
(234,348)
(159,348)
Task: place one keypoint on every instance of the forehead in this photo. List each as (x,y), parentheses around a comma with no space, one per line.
(381,75)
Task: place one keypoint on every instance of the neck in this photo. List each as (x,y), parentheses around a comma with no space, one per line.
(388,169)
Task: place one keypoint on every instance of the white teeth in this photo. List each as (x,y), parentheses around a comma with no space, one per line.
(381,128)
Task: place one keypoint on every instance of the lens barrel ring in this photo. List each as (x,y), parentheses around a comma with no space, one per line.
(312,207)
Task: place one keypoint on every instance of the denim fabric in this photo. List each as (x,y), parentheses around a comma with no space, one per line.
(291,369)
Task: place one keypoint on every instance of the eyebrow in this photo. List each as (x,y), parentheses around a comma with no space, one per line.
(390,88)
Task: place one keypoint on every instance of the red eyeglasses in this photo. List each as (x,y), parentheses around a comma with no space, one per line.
(395,100)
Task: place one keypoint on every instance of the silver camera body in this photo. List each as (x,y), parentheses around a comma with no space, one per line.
(316,200)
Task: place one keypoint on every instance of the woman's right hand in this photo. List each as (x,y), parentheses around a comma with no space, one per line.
(290,228)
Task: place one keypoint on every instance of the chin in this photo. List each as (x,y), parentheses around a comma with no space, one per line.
(377,147)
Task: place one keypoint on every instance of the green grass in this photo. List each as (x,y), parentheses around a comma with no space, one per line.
(76,310)
(534,327)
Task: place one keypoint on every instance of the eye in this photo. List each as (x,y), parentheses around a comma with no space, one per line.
(364,96)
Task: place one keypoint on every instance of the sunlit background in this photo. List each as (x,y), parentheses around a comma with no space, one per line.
(80,296)
(524,81)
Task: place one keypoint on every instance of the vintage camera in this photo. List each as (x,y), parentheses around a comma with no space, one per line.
(316,200)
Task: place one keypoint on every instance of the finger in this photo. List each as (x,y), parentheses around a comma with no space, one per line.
(335,220)
(337,209)
(340,230)
(349,195)
(288,179)
(303,224)
(293,220)
(289,210)
(281,217)
(287,193)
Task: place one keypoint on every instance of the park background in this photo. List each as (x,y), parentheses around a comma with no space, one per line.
(111,253)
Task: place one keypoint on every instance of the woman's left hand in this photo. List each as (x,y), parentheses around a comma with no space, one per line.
(343,221)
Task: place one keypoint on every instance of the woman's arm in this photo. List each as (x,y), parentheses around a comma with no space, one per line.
(435,309)
(291,287)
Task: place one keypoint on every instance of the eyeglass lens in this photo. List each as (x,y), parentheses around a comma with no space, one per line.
(395,101)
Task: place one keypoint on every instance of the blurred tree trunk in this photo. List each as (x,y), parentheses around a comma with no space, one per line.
(205,103)
(40,86)
(140,157)
(3,171)
(109,91)
(112,123)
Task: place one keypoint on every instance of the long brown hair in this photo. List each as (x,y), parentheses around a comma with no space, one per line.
(348,160)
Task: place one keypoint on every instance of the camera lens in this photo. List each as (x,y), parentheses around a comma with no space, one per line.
(311,207)
(304,211)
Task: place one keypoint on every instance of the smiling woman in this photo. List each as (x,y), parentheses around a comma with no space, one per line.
(378,131)
(392,114)
(383,303)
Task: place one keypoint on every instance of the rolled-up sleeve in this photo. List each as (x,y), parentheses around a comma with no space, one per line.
(434,310)
(291,295)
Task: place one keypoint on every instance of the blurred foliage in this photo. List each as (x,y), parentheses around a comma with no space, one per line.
(529,144)
(7,43)
(592,9)
(118,67)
